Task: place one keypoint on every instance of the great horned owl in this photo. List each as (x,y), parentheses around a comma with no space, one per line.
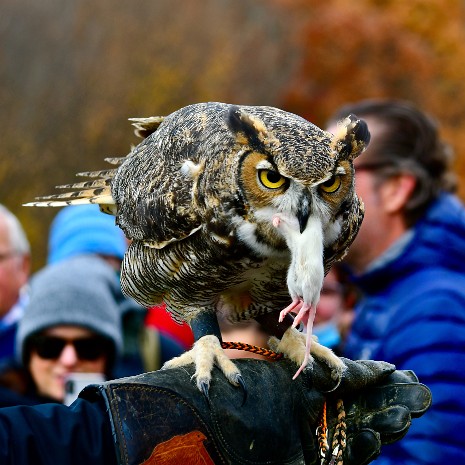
(232,209)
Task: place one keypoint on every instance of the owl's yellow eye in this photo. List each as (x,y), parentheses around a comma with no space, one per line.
(331,185)
(271,179)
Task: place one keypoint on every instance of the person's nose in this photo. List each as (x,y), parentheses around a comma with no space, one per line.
(68,356)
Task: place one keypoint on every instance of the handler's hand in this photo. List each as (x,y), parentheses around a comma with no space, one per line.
(379,408)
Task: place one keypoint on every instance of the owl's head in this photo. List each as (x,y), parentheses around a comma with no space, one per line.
(292,168)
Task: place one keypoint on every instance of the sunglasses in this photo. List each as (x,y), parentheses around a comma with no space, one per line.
(51,347)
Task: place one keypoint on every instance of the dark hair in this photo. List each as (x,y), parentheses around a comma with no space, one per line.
(409,142)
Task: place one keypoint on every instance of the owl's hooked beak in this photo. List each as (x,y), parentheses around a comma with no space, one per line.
(303,213)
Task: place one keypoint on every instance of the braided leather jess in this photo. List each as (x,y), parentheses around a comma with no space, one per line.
(339,435)
(251,348)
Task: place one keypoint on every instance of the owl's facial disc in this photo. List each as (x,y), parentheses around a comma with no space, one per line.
(261,181)
(266,190)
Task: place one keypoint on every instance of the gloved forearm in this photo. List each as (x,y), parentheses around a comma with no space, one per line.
(276,424)
(380,414)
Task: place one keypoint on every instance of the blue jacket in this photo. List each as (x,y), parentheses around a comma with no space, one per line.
(7,341)
(412,314)
(54,433)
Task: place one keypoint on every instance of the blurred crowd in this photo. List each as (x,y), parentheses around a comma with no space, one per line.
(398,295)
(71,318)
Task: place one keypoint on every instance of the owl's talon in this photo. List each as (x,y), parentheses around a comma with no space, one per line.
(241,382)
(206,353)
(204,387)
(184,359)
(293,346)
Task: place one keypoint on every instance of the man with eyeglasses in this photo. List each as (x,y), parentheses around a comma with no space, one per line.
(14,273)
(408,261)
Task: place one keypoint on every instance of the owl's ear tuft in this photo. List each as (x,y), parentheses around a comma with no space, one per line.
(146,126)
(352,137)
(359,129)
(248,128)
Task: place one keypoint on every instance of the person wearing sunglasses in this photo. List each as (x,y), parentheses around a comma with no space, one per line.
(408,263)
(83,230)
(72,324)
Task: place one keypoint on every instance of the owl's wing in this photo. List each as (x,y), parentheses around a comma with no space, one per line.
(151,203)
(151,198)
(97,191)
(168,189)
(155,191)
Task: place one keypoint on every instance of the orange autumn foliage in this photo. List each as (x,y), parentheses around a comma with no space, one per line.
(412,50)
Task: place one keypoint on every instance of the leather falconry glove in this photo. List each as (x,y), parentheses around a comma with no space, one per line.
(162,418)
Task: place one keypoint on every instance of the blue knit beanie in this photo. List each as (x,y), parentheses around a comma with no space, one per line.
(79,291)
(80,229)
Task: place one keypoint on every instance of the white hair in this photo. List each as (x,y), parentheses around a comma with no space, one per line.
(18,239)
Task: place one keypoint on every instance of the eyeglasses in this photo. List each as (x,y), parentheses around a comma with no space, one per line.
(331,289)
(51,347)
(373,166)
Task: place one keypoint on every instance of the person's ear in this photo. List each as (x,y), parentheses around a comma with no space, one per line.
(396,191)
(25,267)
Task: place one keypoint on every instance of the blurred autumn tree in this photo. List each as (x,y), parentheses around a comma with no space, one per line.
(73,71)
(413,50)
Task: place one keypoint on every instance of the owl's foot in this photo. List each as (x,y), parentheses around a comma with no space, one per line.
(293,345)
(206,352)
